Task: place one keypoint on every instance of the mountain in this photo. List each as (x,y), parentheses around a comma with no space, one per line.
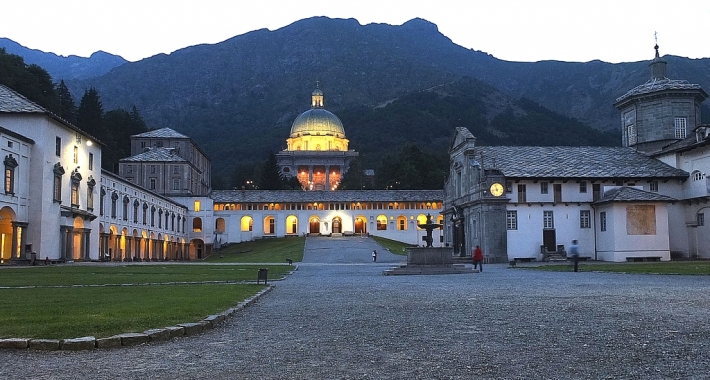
(238,98)
(67,68)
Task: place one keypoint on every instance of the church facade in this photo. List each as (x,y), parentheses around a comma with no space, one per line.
(317,150)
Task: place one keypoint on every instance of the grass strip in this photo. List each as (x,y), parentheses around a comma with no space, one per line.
(56,313)
(671,267)
(64,275)
(394,246)
(261,251)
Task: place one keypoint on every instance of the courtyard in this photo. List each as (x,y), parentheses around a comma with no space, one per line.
(338,317)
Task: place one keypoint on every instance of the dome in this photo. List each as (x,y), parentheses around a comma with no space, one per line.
(317,121)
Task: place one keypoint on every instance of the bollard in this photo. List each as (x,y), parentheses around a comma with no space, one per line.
(289,261)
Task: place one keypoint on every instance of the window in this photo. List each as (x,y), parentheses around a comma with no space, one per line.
(152,169)
(697,175)
(91,161)
(197,206)
(631,134)
(9,144)
(701,219)
(557,188)
(76,154)
(114,204)
(58,173)
(653,186)
(142,144)
(584,219)
(90,194)
(152,184)
(602,221)
(511,220)
(58,146)
(176,169)
(126,202)
(596,191)
(10,165)
(197,225)
(101,201)
(176,184)
(583,186)
(680,127)
(508,187)
(152,216)
(74,194)
(402,223)
(136,204)
(543,187)
(548,220)
(521,194)
(160,219)
(381,223)
(145,213)
(129,169)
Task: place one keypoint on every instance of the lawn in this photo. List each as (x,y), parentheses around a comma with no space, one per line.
(261,251)
(67,301)
(394,246)
(670,267)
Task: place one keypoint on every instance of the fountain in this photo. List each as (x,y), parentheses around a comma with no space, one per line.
(429,259)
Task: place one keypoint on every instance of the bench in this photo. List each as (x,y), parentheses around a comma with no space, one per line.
(643,259)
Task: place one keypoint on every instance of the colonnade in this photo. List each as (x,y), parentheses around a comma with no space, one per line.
(138,248)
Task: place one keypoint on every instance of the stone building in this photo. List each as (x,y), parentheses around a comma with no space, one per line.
(168,163)
(317,150)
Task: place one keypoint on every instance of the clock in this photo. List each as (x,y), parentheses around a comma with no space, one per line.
(497,189)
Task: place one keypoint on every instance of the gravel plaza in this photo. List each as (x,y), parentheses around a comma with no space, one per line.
(338,317)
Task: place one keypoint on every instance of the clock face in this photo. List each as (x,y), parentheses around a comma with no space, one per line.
(497,189)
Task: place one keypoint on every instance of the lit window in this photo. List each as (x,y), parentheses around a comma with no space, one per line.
(197,206)
(197,225)
(10,165)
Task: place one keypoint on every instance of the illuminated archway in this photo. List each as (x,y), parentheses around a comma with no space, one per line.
(401,223)
(381,222)
(7,216)
(247,223)
(269,225)
(360,225)
(292,225)
(337,225)
(314,225)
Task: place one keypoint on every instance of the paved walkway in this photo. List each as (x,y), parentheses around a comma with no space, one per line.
(338,317)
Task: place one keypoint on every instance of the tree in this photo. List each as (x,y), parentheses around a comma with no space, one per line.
(354,178)
(31,81)
(90,115)
(270,174)
(412,169)
(67,108)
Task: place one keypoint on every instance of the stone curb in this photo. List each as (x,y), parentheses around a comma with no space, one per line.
(131,339)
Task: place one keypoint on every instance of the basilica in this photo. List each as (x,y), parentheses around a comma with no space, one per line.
(644,200)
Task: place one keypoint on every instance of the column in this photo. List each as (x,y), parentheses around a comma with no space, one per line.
(327,178)
(13,242)
(129,250)
(69,253)
(87,244)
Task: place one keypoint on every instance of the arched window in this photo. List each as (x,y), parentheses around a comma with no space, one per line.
(401,223)
(269,226)
(197,225)
(381,223)
(247,223)
(219,225)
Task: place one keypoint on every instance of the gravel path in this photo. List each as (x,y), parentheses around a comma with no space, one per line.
(338,317)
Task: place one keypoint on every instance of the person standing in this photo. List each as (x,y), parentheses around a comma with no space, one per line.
(374,256)
(574,254)
(478,258)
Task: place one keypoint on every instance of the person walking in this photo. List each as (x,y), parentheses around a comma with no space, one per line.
(574,254)
(478,258)
(374,256)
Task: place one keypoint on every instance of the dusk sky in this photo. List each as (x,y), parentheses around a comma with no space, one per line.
(513,30)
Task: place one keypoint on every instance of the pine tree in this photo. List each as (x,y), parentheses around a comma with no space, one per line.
(270,174)
(90,115)
(67,108)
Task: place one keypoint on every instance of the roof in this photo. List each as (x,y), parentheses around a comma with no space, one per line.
(16,135)
(13,102)
(655,85)
(631,194)
(296,196)
(156,154)
(573,162)
(317,120)
(162,133)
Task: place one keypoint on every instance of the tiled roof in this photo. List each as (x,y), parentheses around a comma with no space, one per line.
(11,101)
(573,162)
(295,196)
(162,133)
(630,194)
(156,155)
(654,85)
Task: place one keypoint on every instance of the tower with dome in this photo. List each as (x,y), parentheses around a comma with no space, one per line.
(317,150)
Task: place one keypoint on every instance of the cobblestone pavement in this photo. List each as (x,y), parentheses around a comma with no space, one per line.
(338,317)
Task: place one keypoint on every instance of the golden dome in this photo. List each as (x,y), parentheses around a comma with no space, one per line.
(317,121)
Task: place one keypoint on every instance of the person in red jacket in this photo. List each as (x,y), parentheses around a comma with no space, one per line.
(478,258)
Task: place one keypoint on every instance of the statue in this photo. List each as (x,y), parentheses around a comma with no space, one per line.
(429,226)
